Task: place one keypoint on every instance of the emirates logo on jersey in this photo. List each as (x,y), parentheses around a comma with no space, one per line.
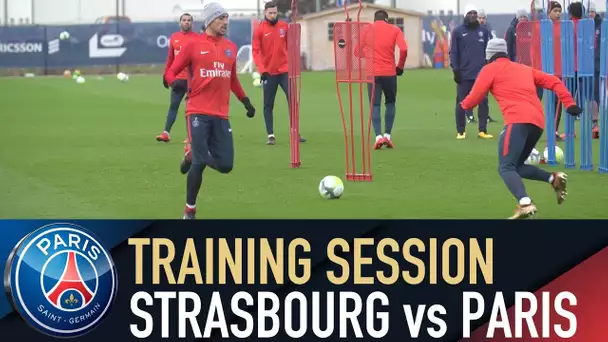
(219,70)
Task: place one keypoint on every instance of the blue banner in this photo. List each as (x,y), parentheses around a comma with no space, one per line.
(95,45)
(22,47)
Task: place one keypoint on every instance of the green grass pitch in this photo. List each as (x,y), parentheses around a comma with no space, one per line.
(88,151)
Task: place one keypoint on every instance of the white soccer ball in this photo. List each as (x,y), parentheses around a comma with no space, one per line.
(122,77)
(257,82)
(559,154)
(256,75)
(64,35)
(533,158)
(331,187)
(80,80)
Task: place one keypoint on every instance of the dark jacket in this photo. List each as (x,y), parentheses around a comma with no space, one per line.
(511,38)
(468,50)
(489,28)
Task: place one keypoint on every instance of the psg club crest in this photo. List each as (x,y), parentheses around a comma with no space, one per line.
(61,280)
(228,53)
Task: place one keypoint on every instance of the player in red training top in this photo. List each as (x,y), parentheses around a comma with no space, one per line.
(386,38)
(513,85)
(270,57)
(211,63)
(176,42)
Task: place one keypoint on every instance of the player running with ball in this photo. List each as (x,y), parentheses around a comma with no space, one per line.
(212,61)
(178,90)
(513,85)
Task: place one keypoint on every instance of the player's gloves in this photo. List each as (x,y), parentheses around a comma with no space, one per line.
(165,84)
(250,109)
(457,77)
(574,110)
(264,77)
(177,85)
(399,71)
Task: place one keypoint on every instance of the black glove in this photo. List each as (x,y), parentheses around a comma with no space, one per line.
(457,77)
(250,109)
(165,84)
(399,71)
(574,110)
(179,86)
(264,77)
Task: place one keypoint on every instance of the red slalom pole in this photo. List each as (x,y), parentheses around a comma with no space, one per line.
(294,34)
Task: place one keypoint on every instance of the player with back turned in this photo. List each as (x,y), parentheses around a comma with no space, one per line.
(178,90)
(513,85)
(212,63)
(269,48)
(386,38)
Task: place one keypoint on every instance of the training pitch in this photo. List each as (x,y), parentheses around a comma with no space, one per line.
(89,151)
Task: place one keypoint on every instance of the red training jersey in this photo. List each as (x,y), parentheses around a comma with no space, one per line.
(176,42)
(211,65)
(386,37)
(270,47)
(513,85)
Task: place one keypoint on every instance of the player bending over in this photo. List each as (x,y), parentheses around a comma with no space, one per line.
(178,90)
(270,57)
(386,38)
(513,85)
(212,60)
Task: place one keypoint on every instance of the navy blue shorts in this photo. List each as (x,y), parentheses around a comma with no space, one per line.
(386,85)
(211,141)
(516,142)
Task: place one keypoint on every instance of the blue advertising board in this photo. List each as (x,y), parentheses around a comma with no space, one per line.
(95,45)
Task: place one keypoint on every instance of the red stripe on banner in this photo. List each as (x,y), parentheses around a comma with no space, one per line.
(589,283)
(505,146)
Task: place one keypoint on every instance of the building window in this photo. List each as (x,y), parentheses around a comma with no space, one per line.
(399,22)
(330,32)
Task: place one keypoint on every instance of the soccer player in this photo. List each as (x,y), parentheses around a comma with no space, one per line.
(513,85)
(387,37)
(483,20)
(511,35)
(178,90)
(270,56)
(467,57)
(212,60)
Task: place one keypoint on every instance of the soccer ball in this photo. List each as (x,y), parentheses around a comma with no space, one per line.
(256,75)
(122,77)
(331,187)
(533,158)
(559,154)
(80,80)
(64,35)
(257,82)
